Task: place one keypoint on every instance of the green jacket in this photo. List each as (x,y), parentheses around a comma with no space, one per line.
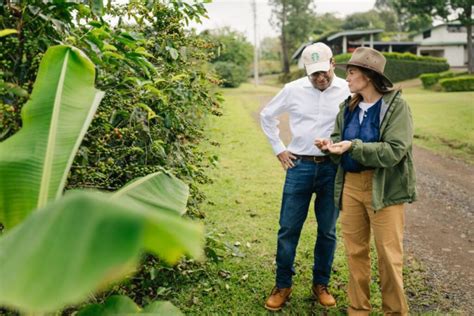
(394,175)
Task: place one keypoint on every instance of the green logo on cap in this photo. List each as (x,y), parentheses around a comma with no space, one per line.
(315,57)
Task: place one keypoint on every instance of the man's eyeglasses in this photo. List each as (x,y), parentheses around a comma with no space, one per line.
(315,75)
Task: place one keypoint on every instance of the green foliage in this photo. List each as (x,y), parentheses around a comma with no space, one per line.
(159,88)
(73,245)
(233,56)
(296,74)
(461,83)
(398,18)
(402,66)
(294,19)
(363,20)
(59,102)
(230,73)
(327,22)
(399,67)
(448,10)
(122,305)
(430,79)
(269,67)
(270,49)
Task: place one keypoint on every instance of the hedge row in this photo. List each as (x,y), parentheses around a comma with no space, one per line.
(461,83)
(429,80)
(399,67)
(403,66)
(397,56)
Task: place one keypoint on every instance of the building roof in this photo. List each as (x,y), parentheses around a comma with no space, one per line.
(332,36)
(353,33)
(388,43)
(300,50)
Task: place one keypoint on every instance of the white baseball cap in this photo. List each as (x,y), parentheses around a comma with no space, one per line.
(317,57)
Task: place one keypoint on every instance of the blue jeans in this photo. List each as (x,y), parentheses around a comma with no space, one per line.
(304,179)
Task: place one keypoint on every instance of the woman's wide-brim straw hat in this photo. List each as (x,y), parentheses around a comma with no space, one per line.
(369,58)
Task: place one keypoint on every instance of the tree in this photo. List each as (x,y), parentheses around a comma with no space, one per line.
(270,48)
(448,10)
(401,20)
(363,20)
(327,22)
(294,19)
(233,55)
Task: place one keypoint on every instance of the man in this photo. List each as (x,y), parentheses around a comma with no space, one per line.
(312,104)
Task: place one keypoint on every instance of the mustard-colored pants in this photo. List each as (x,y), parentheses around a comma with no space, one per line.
(357,219)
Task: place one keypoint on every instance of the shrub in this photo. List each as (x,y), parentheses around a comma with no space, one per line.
(399,67)
(231,74)
(269,67)
(293,75)
(232,57)
(402,66)
(461,83)
(158,86)
(429,80)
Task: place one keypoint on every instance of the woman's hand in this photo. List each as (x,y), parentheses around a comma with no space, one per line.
(322,143)
(340,148)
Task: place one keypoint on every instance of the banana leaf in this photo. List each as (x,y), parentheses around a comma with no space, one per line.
(57,250)
(86,240)
(34,163)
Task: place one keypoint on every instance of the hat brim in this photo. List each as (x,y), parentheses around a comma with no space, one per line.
(322,66)
(343,66)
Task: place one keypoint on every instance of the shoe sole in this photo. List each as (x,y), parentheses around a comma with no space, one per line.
(276,309)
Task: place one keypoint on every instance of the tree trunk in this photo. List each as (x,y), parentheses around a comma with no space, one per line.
(284,50)
(470,57)
(283,40)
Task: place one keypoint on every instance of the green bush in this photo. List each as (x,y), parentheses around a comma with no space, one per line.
(232,56)
(269,67)
(429,80)
(461,83)
(231,74)
(159,89)
(402,66)
(399,67)
(293,75)
(158,83)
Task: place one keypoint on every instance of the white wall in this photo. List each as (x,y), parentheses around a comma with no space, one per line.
(441,34)
(456,55)
(438,45)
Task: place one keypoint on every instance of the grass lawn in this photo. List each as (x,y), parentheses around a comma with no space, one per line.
(243,212)
(444,121)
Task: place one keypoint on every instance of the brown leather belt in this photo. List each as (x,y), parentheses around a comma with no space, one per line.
(315,159)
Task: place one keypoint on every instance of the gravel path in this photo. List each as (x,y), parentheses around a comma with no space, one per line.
(439,226)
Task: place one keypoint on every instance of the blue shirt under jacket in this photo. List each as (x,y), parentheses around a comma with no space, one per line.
(368,131)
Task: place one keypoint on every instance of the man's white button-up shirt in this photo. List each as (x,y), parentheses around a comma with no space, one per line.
(312,114)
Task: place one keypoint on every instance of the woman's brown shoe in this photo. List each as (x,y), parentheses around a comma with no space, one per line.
(278,298)
(322,295)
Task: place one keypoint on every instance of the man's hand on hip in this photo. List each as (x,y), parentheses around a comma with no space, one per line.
(286,159)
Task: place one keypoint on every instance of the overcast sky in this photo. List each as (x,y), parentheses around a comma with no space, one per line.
(238,14)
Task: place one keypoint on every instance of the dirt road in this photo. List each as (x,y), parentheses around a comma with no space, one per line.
(439,226)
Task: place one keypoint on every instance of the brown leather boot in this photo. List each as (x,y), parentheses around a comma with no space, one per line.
(278,298)
(322,295)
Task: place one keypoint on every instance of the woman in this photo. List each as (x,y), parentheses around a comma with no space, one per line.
(372,143)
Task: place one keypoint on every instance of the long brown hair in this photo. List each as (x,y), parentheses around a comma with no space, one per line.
(375,79)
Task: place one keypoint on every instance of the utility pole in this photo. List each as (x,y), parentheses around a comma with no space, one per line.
(255,43)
